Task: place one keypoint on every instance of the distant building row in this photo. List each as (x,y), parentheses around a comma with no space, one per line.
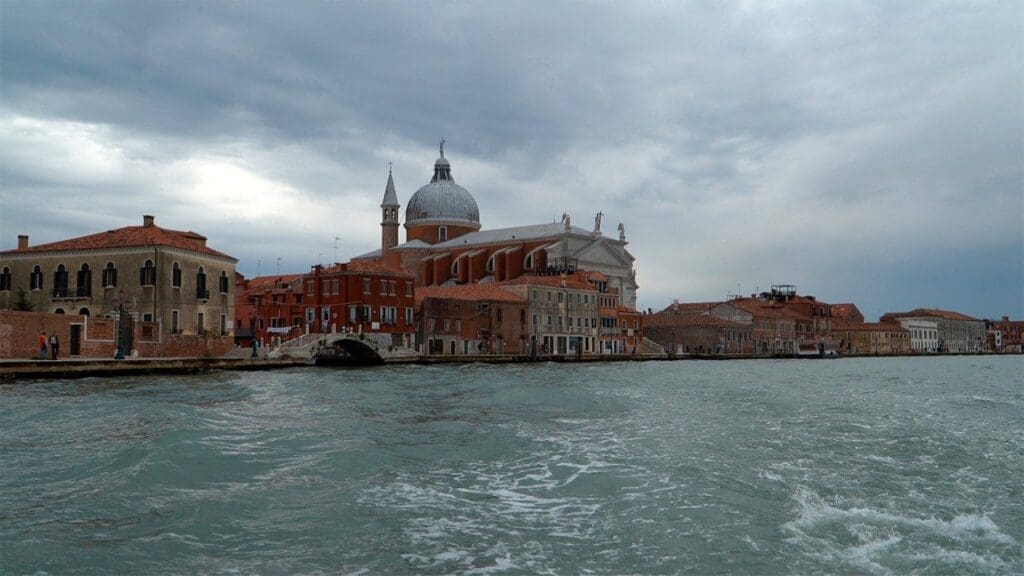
(782,322)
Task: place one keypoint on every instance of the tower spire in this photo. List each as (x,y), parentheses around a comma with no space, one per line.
(389,212)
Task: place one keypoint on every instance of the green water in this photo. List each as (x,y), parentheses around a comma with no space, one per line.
(854,466)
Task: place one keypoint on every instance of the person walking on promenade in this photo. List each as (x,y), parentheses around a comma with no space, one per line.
(42,346)
(54,346)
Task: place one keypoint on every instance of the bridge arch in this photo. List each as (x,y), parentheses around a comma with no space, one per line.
(347,351)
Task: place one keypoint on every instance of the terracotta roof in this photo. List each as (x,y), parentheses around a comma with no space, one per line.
(365,266)
(768,309)
(594,275)
(690,320)
(128,237)
(261,283)
(929,313)
(473,292)
(867,327)
(844,310)
(687,308)
(571,282)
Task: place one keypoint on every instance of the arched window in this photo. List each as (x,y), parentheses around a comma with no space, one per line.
(442,233)
(60,282)
(84,311)
(201,292)
(36,279)
(58,311)
(147,274)
(84,281)
(528,264)
(176,275)
(5,279)
(455,268)
(109,276)
(224,282)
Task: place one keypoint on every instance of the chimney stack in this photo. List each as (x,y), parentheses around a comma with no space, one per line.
(22,241)
(147,220)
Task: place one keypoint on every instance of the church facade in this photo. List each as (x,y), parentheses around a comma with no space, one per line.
(446,245)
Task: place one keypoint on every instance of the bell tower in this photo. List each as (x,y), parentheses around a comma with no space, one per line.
(389,219)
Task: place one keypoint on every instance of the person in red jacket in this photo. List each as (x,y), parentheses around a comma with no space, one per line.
(42,346)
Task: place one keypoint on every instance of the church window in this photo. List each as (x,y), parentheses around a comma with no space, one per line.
(529,261)
(60,282)
(84,281)
(201,292)
(442,233)
(109,276)
(36,279)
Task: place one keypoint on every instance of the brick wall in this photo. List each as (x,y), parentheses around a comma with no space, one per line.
(19,335)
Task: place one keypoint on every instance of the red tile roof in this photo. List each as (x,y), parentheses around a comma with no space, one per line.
(690,320)
(687,308)
(128,237)
(474,292)
(765,309)
(929,313)
(571,282)
(365,266)
(261,283)
(844,310)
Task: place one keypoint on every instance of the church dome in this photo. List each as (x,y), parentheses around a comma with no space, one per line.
(442,201)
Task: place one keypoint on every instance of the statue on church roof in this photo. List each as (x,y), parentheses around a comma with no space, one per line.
(622,232)
(597,222)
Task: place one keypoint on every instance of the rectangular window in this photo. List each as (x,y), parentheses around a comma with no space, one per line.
(366,285)
(458,325)
(200,325)
(310,287)
(383,287)
(536,320)
(549,320)
(391,287)
(560,297)
(310,316)
(325,317)
(408,316)
(325,287)
(353,314)
(447,325)
(223,324)
(408,289)
(367,314)
(175,329)
(549,295)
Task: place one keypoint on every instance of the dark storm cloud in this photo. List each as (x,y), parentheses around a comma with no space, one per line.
(740,144)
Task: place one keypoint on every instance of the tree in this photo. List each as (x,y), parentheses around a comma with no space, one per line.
(21,302)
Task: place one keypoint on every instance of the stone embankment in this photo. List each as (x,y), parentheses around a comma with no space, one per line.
(11,370)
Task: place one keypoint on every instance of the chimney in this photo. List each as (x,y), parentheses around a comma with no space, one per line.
(22,241)
(147,220)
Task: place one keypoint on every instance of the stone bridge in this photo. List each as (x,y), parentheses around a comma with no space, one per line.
(345,348)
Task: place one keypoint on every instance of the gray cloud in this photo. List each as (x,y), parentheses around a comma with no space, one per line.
(863,151)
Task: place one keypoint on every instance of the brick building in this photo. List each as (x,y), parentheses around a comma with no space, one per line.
(878,338)
(691,329)
(168,279)
(1005,335)
(362,296)
(472,319)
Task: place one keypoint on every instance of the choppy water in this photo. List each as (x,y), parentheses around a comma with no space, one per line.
(855,466)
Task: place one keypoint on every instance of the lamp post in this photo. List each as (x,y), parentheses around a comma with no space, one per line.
(120,327)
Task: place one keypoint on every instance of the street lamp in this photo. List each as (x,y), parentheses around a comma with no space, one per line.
(120,326)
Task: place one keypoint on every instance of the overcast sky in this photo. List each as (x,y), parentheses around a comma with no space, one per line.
(866,152)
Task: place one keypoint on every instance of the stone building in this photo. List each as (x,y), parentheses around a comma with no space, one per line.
(698,333)
(164,277)
(941,330)
(1005,335)
(563,315)
(445,244)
